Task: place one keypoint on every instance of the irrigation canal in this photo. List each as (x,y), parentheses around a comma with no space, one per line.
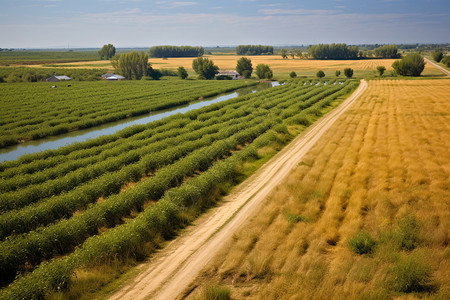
(55,142)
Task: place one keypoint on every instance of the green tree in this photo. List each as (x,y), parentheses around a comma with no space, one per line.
(107,51)
(284,53)
(293,74)
(320,74)
(437,55)
(299,54)
(337,73)
(132,65)
(205,68)
(244,67)
(292,54)
(381,70)
(348,72)
(410,65)
(182,73)
(446,61)
(263,71)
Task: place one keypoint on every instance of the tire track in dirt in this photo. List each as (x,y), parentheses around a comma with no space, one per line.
(173,269)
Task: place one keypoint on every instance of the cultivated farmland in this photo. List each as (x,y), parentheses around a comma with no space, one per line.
(114,196)
(30,111)
(364,215)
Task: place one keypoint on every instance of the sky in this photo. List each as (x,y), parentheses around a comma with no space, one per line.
(140,23)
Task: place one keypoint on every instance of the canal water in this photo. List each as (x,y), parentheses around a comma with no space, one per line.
(55,142)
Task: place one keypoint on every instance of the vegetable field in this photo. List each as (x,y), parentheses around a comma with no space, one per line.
(103,199)
(30,111)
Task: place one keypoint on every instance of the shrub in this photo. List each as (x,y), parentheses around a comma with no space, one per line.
(216,292)
(244,67)
(320,74)
(362,243)
(381,70)
(293,74)
(407,233)
(446,61)
(337,73)
(410,274)
(410,65)
(437,55)
(348,72)
(263,71)
(182,73)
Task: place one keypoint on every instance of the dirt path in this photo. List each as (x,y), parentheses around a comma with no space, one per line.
(445,71)
(173,269)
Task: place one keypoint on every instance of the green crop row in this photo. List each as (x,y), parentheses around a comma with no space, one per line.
(15,249)
(34,111)
(160,218)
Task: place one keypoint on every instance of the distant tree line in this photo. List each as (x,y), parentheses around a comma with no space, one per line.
(387,51)
(333,51)
(253,50)
(176,51)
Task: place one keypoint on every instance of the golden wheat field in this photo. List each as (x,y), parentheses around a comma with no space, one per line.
(278,65)
(380,175)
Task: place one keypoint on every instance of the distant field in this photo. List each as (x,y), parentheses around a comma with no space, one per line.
(40,57)
(280,67)
(383,168)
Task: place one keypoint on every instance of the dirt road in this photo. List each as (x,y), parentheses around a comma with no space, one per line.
(445,71)
(173,269)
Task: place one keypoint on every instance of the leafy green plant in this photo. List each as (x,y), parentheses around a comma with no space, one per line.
(362,243)
(407,233)
(410,274)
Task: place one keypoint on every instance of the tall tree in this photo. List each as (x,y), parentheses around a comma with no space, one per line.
(284,53)
(107,51)
(205,68)
(244,67)
(132,65)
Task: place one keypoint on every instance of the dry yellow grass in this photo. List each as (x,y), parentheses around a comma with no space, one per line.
(386,158)
(277,64)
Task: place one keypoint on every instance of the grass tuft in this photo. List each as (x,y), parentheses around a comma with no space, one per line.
(410,274)
(362,243)
(216,292)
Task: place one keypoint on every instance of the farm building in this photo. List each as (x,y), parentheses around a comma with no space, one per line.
(112,76)
(56,78)
(233,74)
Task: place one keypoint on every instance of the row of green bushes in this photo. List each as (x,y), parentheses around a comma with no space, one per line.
(162,218)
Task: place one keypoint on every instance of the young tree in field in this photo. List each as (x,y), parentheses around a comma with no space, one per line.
(348,72)
(182,73)
(292,54)
(131,65)
(263,71)
(320,74)
(410,65)
(244,67)
(437,55)
(155,74)
(381,70)
(299,54)
(293,74)
(205,68)
(337,73)
(107,51)
(284,53)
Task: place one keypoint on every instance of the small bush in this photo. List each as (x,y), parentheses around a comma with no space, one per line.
(362,243)
(381,70)
(407,233)
(293,74)
(216,292)
(410,65)
(410,274)
(446,61)
(320,74)
(437,55)
(348,72)
(293,218)
(337,73)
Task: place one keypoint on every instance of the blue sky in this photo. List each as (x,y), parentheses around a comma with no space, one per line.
(132,23)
